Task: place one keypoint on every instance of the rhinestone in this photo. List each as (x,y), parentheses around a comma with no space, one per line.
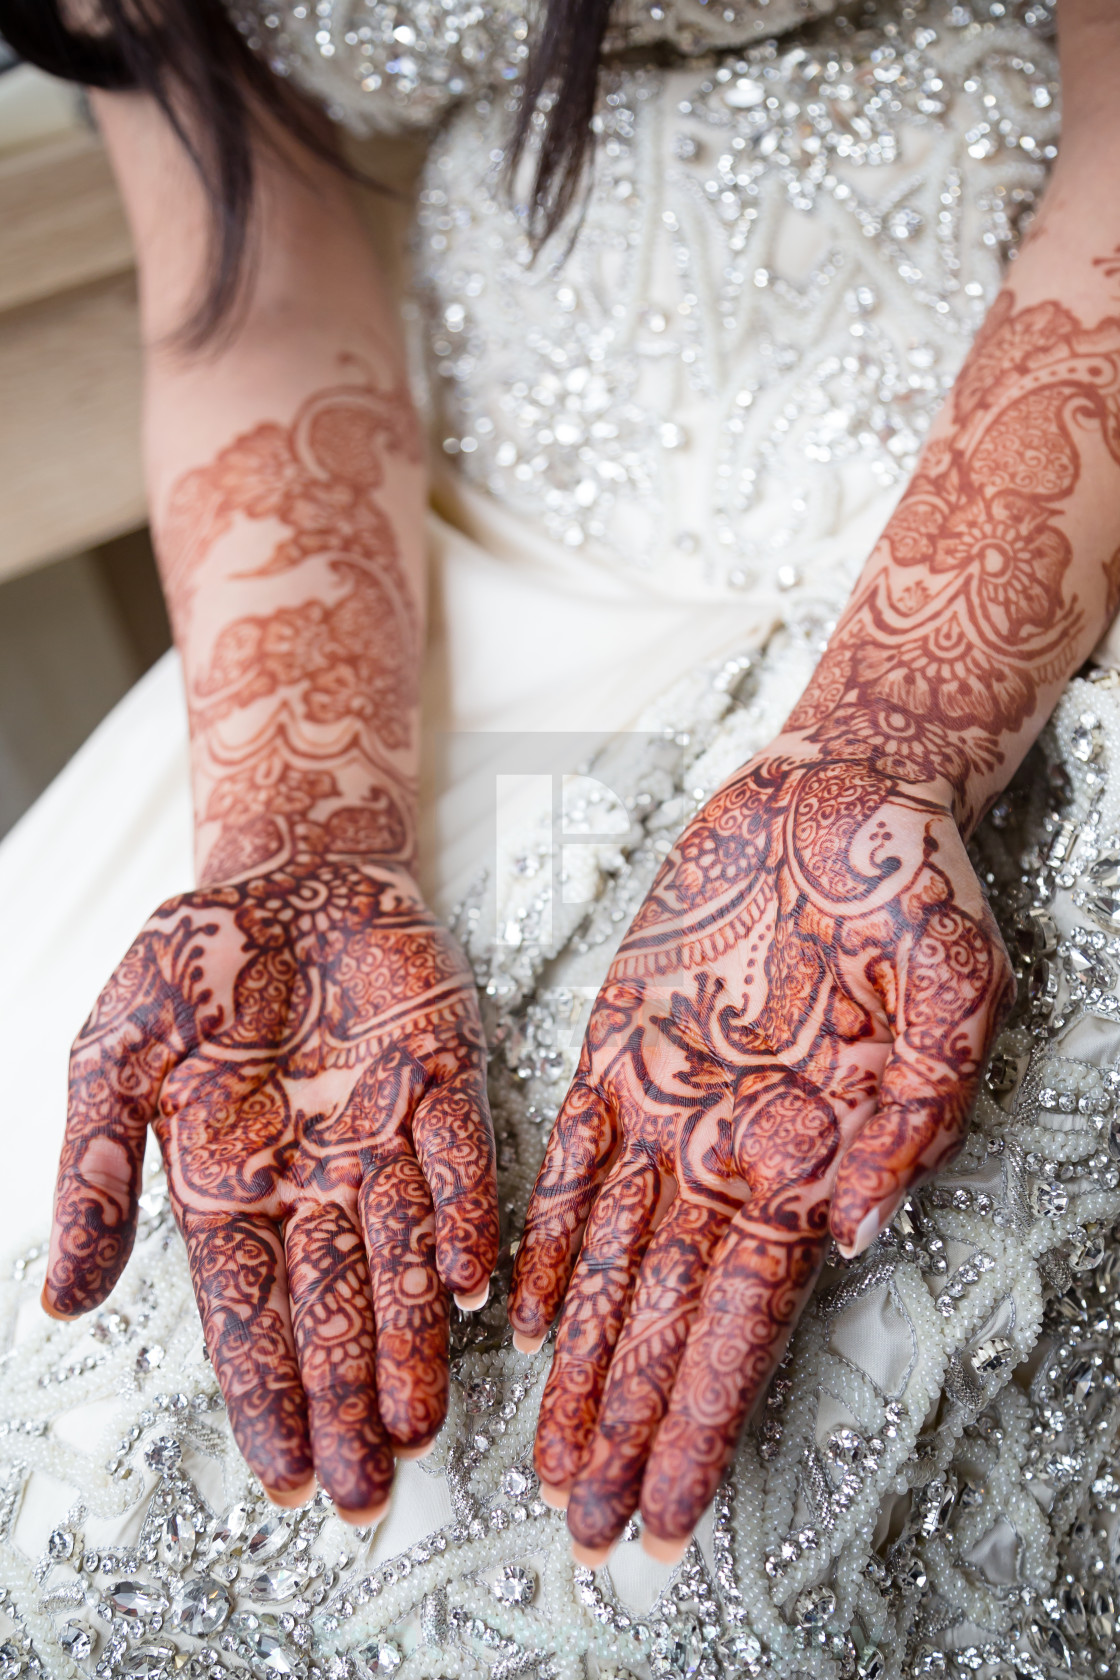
(383,1657)
(515,1585)
(60,1545)
(813,1607)
(202,1606)
(516,1483)
(737,1648)
(1086,741)
(164,1454)
(1049,1200)
(134,1599)
(480,1396)
(678,1649)
(991,1356)
(269,1540)
(109,1326)
(274,1584)
(76,1640)
(1086,1256)
(150,1662)
(11,1661)
(149,1358)
(844,1446)
(177,1540)
(743,93)
(226,1537)
(275,1658)
(1050,1644)
(872,1664)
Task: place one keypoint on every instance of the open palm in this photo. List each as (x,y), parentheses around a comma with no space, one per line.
(306,1046)
(790,1036)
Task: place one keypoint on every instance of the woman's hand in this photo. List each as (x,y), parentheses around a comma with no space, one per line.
(790,1037)
(307,1048)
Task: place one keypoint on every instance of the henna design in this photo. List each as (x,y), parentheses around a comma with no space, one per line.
(303,716)
(791,1031)
(306,1045)
(962,617)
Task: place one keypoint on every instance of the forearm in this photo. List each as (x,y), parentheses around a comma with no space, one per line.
(1000,568)
(287,493)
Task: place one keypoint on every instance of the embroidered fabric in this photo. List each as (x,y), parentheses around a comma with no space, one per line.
(780,261)
(931,1487)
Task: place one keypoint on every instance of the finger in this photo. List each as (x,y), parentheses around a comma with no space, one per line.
(240,1282)
(410,1304)
(643,1371)
(954,991)
(758,1283)
(577,1160)
(618,1233)
(117,1066)
(332,1317)
(455,1147)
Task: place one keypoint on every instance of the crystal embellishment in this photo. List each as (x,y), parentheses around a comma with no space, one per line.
(202,1607)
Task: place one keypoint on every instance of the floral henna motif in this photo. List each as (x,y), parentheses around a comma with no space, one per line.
(303,715)
(306,1045)
(963,616)
(740,1094)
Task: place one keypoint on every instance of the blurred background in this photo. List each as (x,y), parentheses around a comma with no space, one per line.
(81,615)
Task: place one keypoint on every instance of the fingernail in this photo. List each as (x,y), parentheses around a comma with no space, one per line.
(871,1225)
(664,1551)
(528,1344)
(591,1557)
(557,1497)
(409,1454)
(471,1303)
(366,1518)
(289,1498)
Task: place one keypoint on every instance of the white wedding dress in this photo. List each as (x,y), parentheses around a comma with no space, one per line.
(662,457)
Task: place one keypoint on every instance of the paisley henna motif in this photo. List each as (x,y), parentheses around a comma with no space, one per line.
(306,1045)
(302,714)
(963,615)
(792,1031)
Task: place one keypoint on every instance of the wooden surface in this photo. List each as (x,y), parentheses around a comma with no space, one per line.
(69,356)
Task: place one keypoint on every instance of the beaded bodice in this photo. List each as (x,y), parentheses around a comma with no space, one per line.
(782,256)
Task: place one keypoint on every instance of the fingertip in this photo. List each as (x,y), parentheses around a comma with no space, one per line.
(591,1557)
(475,1301)
(53,1312)
(408,1455)
(289,1498)
(664,1551)
(556,1497)
(870,1226)
(369,1517)
(528,1344)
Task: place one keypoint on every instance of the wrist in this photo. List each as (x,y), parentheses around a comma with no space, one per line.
(886,740)
(307,817)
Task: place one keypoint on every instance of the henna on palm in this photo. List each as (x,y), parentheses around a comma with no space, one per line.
(742,1072)
(792,1032)
(297,1041)
(301,1033)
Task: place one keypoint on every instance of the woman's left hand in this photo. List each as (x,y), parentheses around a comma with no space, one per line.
(790,1037)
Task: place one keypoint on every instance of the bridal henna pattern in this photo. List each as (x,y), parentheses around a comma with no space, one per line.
(307,1049)
(963,615)
(304,713)
(790,1037)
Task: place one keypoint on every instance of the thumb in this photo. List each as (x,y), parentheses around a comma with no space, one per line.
(117,1066)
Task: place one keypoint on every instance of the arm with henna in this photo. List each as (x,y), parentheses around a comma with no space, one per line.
(300,1032)
(792,1033)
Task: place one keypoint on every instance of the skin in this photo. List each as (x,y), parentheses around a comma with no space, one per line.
(792,1032)
(300,1032)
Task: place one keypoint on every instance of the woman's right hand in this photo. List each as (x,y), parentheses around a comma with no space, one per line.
(307,1048)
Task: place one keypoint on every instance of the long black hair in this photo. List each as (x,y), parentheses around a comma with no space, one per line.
(215,92)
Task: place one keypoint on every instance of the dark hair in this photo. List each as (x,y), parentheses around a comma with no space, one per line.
(215,91)
(212,88)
